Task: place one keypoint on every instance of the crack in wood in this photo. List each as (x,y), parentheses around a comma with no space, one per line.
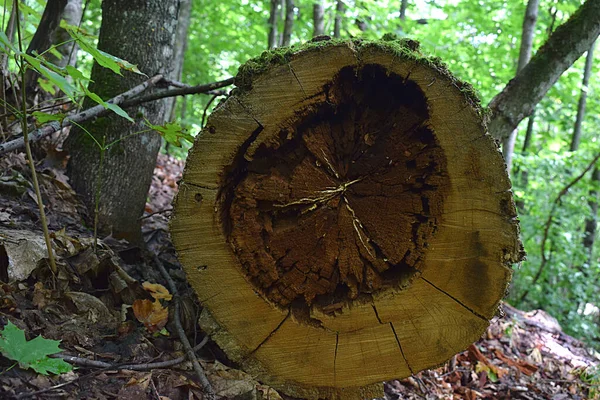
(270,335)
(377,314)
(458,301)
(401,350)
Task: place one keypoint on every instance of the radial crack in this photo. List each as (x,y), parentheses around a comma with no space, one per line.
(400,346)
(458,301)
(265,340)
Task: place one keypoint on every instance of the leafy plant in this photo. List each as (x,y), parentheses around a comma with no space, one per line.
(32,354)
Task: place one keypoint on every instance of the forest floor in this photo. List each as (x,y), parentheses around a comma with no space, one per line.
(103,309)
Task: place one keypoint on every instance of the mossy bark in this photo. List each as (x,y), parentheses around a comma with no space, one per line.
(143,33)
(345,219)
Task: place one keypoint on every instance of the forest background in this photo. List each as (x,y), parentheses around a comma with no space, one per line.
(480,41)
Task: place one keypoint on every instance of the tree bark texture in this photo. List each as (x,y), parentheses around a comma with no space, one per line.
(587,72)
(339,14)
(273,12)
(181,43)
(318,19)
(345,219)
(42,39)
(289,23)
(141,32)
(72,16)
(531,13)
(564,46)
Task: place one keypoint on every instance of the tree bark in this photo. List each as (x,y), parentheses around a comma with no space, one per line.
(42,39)
(403,7)
(591,223)
(318,19)
(72,16)
(289,23)
(141,32)
(576,138)
(181,44)
(564,46)
(273,12)
(365,195)
(531,13)
(339,14)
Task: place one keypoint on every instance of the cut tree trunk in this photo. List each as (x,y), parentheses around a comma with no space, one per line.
(345,219)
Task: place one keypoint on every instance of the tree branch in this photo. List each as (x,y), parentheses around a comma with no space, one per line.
(126,99)
(564,46)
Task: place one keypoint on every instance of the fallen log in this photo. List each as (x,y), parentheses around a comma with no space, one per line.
(345,218)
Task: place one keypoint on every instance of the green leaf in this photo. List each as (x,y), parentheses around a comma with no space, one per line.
(43,117)
(7,43)
(33,354)
(106,60)
(113,107)
(52,76)
(172,132)
(46,85)
(76,74)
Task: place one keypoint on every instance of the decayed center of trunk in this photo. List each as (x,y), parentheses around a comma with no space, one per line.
(343,202)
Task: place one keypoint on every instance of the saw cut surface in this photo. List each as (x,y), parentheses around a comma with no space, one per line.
(345,219)
(345,201)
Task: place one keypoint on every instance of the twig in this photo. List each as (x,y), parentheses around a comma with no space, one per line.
(179,91)
(30,161)
(549,223)
(155,212)
(86,362)
(206,108)
(126,99)
(208,390)
(83,116)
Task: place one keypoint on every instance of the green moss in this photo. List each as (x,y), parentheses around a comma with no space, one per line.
(403,48)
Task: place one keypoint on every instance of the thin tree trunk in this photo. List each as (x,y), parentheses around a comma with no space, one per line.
(339,13)
(582,99)
(566,44)
(591,224)
(529,132)
(181,43)
(142,32)
(72,16)
(273,24)
(508,145)
(318,19)
(403,7)
(42,39)
(289,23)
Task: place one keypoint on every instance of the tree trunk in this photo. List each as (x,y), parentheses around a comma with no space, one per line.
(273,37)
(72,16)
(339,14)
(576,138)
(531,13)
(181,44)
(591,223)
(314,224)
(141,32)
(318,19)
(403,7)
(42,39)
(289,23)
(564,46)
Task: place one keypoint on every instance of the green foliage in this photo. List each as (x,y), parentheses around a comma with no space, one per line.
(32,354)
(173,133)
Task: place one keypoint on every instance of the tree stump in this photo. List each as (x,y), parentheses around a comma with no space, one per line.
(345,218)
